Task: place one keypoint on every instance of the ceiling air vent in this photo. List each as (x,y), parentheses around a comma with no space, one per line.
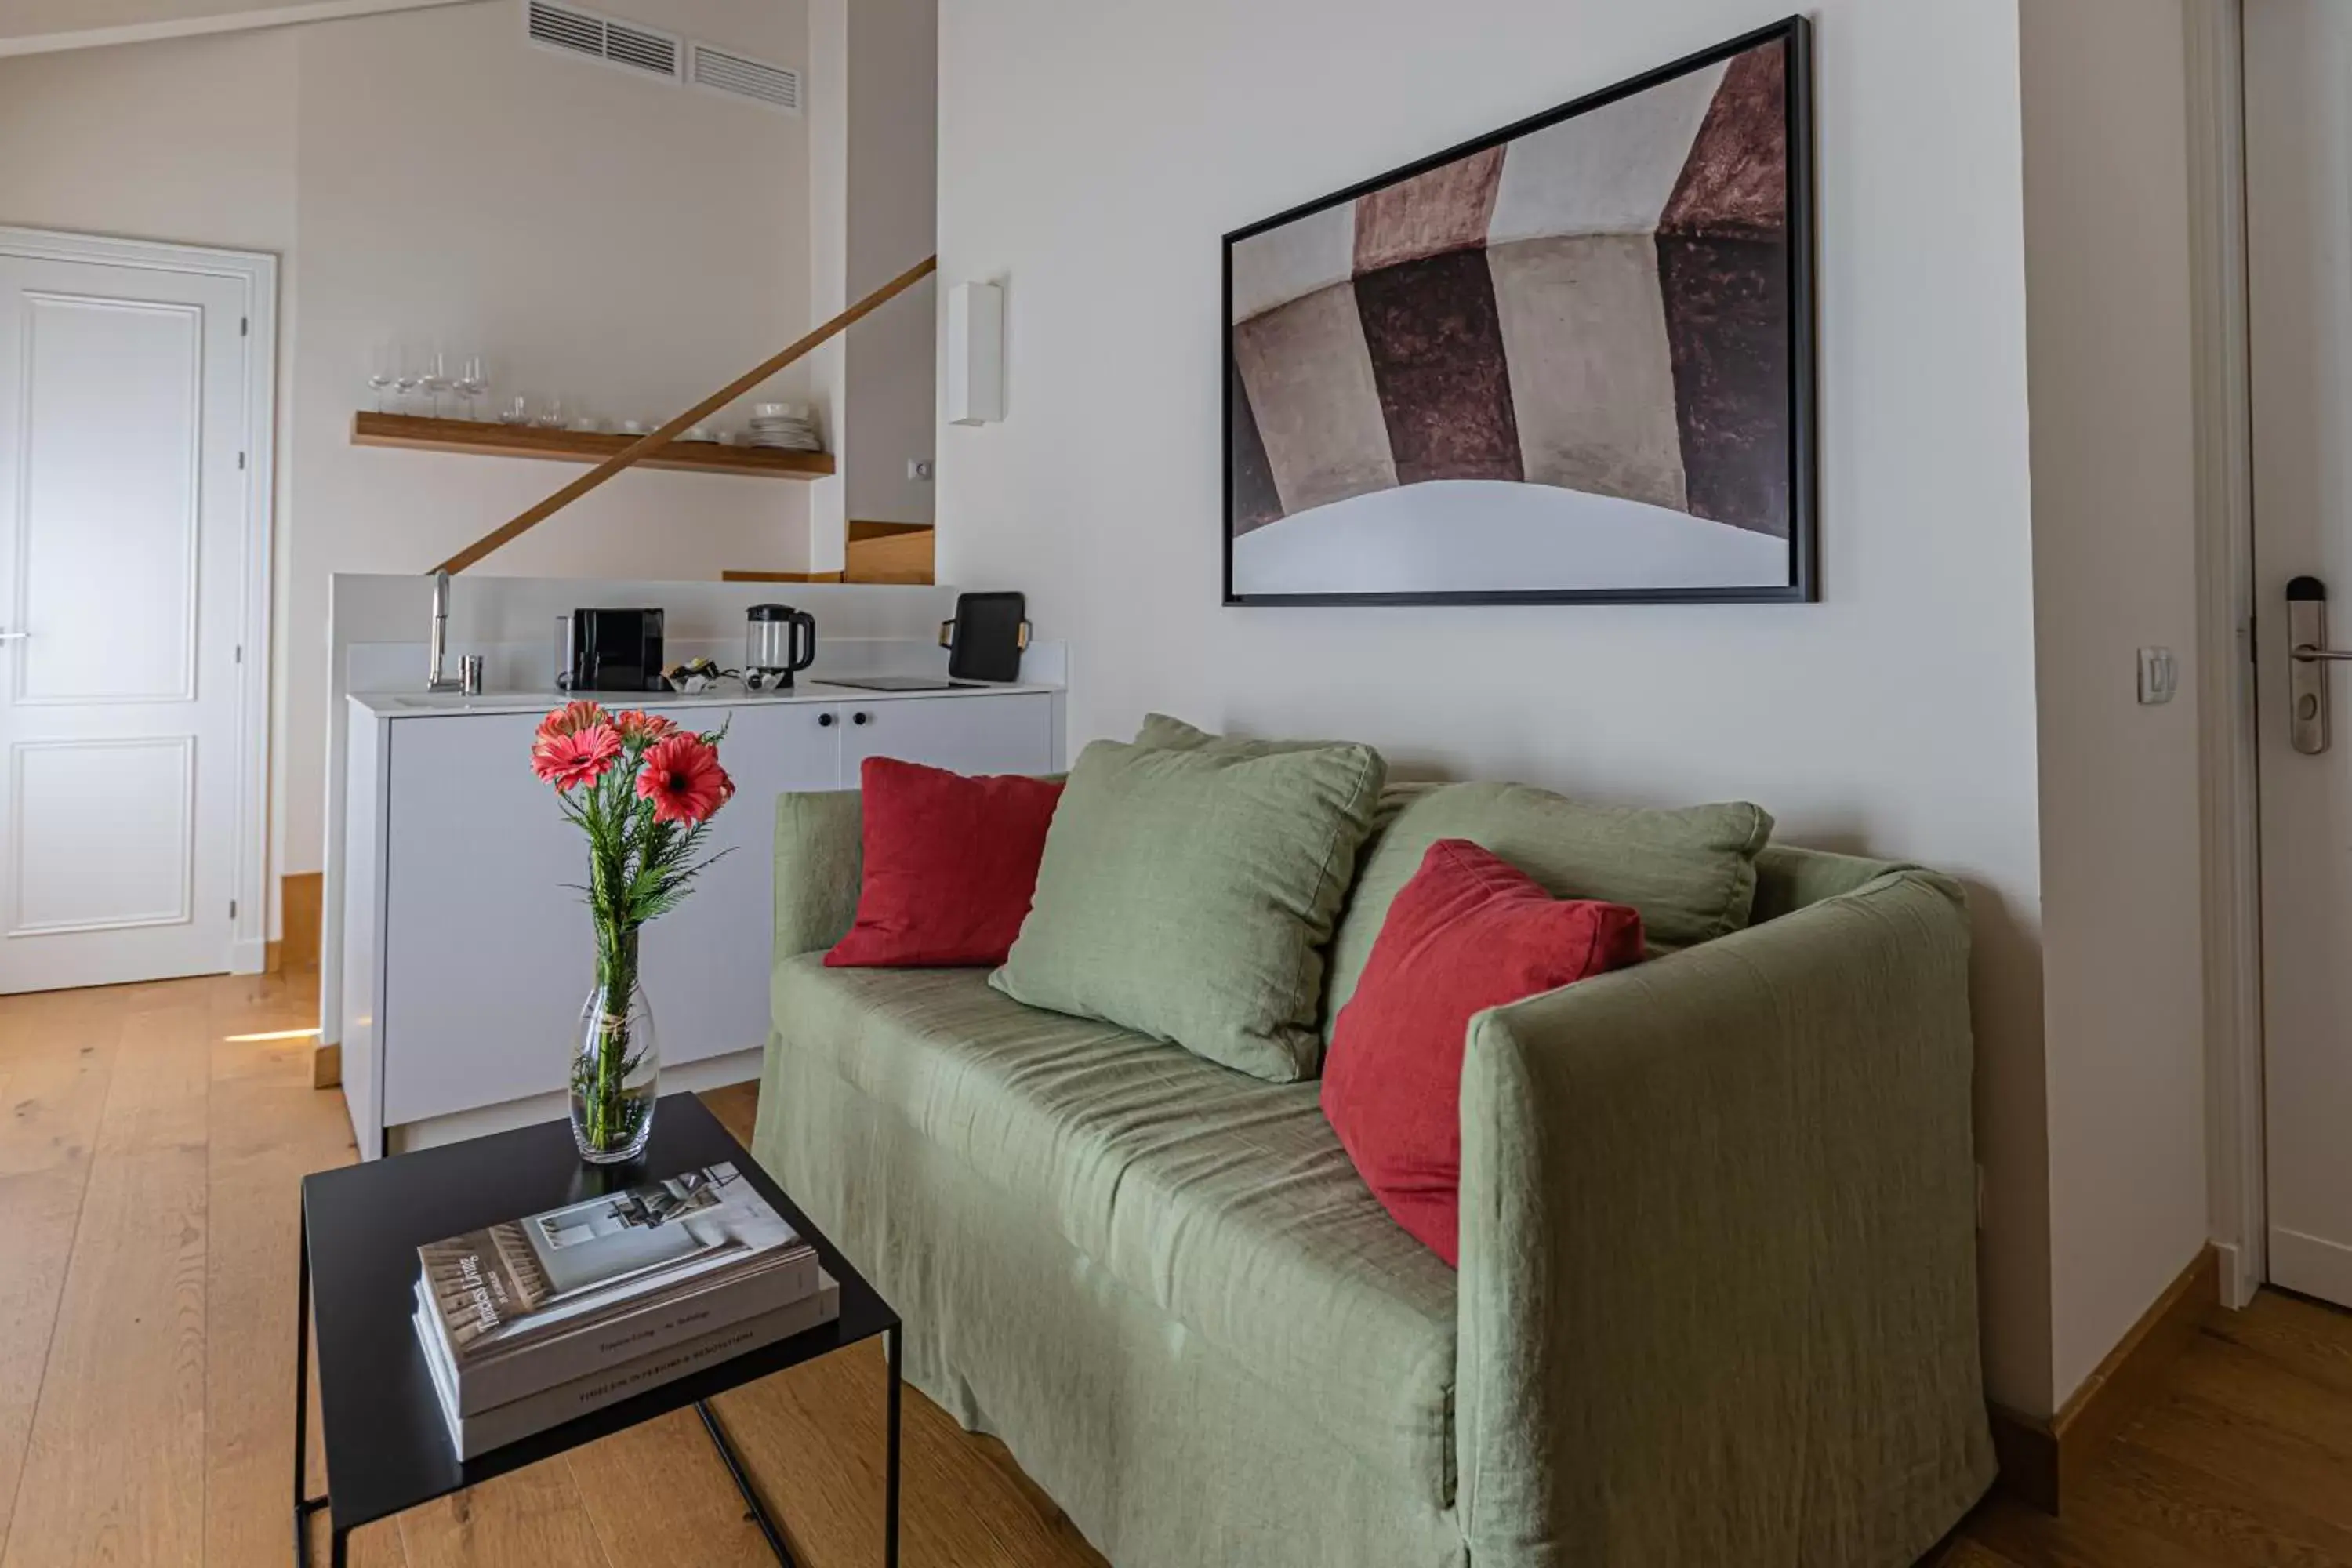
(572,31)
(739,76)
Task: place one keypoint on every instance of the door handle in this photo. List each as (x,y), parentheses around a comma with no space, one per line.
(13,636)
(2308,656)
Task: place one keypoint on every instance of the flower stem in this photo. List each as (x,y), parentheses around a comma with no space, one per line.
(609,1115)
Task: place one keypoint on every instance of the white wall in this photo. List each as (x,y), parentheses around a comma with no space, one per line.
(892,192)
(628,244)
(1090,157)
(873,138)
(2115,556)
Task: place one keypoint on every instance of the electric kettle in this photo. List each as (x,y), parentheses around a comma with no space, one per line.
(777,641)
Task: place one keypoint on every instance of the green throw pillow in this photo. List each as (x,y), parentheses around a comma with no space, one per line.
(1691,871)
(1162,734)
(1189,895)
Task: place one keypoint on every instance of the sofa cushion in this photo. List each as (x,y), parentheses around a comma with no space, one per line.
(1470,932)
(950,863)
(1690,872)
(1163,733)
(1224,1202)
(1190,895)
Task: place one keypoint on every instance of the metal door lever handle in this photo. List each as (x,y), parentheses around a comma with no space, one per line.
(2308,657)
(13,636)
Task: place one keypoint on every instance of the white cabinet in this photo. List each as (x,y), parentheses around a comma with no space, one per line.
(468,947)
(1002,735)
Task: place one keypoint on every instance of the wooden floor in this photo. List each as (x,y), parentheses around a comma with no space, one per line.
(149,1151)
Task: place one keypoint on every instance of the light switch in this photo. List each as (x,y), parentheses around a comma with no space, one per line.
(2160,676)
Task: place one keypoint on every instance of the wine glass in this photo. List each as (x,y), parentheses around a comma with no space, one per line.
(404,375)
(473,380)
(435,379)
(383,362)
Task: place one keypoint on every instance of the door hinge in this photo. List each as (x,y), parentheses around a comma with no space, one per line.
(240,462)
(240,653)
(232,909)
(245,326)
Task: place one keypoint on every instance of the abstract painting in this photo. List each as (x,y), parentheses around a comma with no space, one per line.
(1569,361)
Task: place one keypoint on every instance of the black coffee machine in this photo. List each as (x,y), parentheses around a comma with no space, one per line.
(614,650)
(778,642)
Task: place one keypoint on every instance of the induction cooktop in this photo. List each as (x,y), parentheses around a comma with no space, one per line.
(895,682)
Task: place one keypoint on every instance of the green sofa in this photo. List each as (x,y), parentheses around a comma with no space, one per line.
(1718,1296)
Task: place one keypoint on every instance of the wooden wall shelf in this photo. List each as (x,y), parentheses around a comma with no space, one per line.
(420,433)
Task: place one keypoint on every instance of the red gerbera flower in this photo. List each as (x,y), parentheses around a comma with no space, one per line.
(683,779)
(637,725)
(581,757)
(570,720)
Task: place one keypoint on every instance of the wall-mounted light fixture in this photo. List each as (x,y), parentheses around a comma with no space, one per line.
(975,354)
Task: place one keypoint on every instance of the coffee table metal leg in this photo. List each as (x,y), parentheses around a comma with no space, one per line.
(775,1537)
(897,1337)
(304,1504)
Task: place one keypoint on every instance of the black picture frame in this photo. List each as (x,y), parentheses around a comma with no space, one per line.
(1795,33)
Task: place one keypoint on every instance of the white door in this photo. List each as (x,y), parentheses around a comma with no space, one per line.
(2299,216)
(122,413)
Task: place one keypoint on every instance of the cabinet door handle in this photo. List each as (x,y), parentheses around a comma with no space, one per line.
(858,718)
(824,721)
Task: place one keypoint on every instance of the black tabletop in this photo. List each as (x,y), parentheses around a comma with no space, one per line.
(388,1448)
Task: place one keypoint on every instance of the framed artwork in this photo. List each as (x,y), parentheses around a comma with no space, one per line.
(1569,361)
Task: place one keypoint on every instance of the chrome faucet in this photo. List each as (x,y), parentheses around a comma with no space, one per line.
(437,647)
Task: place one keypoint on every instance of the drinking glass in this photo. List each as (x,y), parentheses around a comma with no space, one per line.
(404,375)
(515,410)
(551,415)
(435,379)
(473,380)
(384,365)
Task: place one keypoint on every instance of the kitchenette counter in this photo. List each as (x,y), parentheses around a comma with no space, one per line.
(415,704)
(464,947)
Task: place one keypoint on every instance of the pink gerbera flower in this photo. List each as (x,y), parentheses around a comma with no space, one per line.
(581,757)
(637,725)
(683,779)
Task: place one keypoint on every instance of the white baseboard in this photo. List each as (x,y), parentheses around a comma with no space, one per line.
(248,955)
(2239,1283)
(2312,1266)
(688,1078)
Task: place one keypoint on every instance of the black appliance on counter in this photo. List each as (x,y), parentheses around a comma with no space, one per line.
(615,650)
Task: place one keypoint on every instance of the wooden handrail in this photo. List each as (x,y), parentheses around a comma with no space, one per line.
(631,455)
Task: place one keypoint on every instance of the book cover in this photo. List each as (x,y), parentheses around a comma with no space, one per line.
(473,1434)
(532,1301)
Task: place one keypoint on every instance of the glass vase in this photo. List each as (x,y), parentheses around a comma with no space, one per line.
(617,1068)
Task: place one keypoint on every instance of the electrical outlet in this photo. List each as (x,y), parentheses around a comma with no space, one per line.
(920,470)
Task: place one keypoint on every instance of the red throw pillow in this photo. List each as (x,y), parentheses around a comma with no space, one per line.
(1470,932)
(951,864)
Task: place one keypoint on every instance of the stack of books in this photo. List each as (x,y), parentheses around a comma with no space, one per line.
(535,1320)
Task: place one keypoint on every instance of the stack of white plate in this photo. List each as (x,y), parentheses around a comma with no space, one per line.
(784,425)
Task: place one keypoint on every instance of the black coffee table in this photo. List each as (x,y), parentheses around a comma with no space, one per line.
(387,1447)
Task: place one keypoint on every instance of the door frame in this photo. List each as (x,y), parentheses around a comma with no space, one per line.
(2230,837)
(256,273)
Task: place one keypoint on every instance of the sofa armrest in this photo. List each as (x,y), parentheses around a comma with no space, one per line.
(1718,1250)
(820,858)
